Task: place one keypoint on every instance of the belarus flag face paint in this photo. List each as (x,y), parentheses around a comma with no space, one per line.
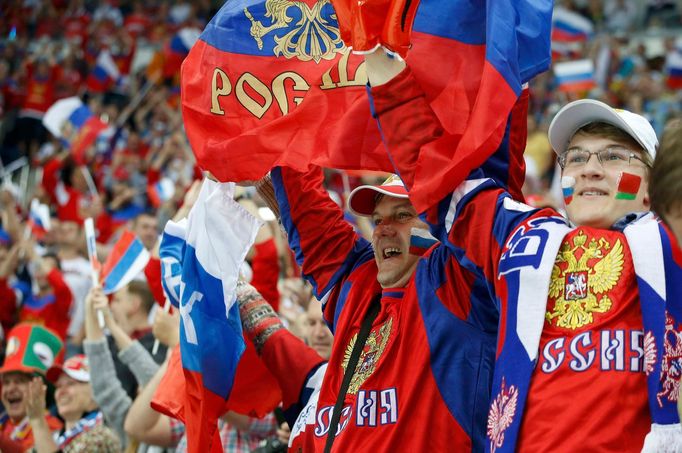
(568,187)
(628,186)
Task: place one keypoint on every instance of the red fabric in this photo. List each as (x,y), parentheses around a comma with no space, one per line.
(8,306)
(153,273)
(255,392)
(265,266)
(364,25)
(346,137)
(615,370)
(53,423)
(291,360)
(66,198)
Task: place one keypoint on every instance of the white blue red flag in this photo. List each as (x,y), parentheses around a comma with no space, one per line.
(177,49)
(126,260)
(38,219)
(260,90)
(160,191)
(72,121)
(208,249)
(673,66)
(104,75)
(569,26)
(572,76)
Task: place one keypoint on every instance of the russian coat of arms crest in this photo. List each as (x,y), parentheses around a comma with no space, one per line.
(313,37)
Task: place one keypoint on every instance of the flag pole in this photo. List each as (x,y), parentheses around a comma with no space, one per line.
(94,262)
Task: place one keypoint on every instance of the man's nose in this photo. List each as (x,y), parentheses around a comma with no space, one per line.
(593,166)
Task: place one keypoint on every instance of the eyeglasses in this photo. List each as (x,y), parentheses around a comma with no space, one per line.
(610,157)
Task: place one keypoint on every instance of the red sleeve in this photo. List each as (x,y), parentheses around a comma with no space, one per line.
(153,273)
(291,361)
(325,245)
(61,290)
(51,177)
(8,306)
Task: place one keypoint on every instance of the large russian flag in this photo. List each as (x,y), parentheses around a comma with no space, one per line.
(569,26)
(73,122)
(207,250)
(126,260)
(105,73)
(575,75)
(259,91)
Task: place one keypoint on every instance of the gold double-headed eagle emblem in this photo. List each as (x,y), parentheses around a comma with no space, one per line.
(312,37)
(579,286)
(371,353)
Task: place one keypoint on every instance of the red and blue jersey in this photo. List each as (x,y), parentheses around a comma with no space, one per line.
(582,310)
(429,355)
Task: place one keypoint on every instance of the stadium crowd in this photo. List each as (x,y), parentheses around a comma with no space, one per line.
(58,361)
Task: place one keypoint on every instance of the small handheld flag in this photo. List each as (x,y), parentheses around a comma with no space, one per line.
(125,261)
(94,262)
(628,186)
(567,188)
(38,219)
(420,241)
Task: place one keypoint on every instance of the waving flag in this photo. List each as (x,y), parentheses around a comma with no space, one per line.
(126,260)
(38,219)
(105,73)
(259,90)
(575,75)
(218,234)
(160,191)
(73,122)
(568,26)
(177,49)
(673,65)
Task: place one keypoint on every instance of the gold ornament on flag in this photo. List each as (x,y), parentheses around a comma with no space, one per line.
(311,38)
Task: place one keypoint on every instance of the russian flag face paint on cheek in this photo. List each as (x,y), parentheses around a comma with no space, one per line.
(628,186)
(568,187)
(420,241)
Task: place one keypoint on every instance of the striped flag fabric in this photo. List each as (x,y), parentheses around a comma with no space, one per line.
(126,260)
(577,75)
(673,66)
(72,121)
(160,191)
(569,26)
(213,243)
(104,75)
(177,49)
(38,219)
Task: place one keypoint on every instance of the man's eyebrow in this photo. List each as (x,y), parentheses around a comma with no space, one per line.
(407,204)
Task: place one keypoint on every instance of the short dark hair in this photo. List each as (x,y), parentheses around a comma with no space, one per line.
(141,290)
(665,187)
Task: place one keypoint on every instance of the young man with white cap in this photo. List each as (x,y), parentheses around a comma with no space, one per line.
(588,349)
(428,352)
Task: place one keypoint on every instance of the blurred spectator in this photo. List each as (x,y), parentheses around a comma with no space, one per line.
(318,336)
(84,428)
(43,298)
(665,185)
(109,393)
(31,350)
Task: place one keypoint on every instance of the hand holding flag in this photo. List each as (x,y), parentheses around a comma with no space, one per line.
(95,265)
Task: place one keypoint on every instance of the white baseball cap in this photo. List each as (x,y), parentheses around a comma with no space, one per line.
(362,200)
(577,114)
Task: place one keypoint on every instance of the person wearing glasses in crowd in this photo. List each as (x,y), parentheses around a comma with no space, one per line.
(589,304)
